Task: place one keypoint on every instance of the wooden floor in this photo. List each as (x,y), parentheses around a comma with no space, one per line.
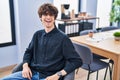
(81,75)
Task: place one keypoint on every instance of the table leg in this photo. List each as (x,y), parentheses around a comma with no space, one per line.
(116,70)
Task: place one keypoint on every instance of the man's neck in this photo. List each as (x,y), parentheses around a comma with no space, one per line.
(47,30)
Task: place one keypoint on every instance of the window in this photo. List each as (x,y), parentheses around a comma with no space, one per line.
(7,26)
(103,12)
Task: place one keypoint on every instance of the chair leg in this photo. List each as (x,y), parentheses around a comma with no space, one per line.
(110,74)
(77,70)
(89,72)
(88,75)
(106,73)
(97,75)
(111,70)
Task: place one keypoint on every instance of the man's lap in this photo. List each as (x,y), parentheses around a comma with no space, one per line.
(18,76)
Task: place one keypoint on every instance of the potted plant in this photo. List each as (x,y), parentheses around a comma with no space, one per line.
(117,36)
(115,12)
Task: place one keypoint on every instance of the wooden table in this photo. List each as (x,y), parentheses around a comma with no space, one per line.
(104,46)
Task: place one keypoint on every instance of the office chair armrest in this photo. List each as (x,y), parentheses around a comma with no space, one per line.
(17,68)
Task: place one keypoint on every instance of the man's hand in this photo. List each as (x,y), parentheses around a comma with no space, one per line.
(53,77)
(26,72)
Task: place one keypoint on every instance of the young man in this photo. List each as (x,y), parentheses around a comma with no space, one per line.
(50,54)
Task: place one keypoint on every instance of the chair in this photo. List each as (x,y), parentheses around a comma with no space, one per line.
(90,64)
(109,28)
(84,32)
(95,56)
(69,76)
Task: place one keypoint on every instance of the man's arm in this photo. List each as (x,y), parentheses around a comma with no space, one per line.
(73,60)
(29,51)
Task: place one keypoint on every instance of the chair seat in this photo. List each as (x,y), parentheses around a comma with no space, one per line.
(95,65)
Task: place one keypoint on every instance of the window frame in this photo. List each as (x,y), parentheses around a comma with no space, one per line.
(12,25)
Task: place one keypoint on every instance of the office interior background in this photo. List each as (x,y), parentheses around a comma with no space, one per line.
(27,22)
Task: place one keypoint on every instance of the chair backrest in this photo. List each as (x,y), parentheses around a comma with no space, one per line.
(84,52)
(108,28)
(84,32)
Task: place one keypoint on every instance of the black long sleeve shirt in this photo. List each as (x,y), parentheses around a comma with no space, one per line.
(51,52)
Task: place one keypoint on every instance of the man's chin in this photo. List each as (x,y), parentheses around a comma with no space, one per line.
(48,26)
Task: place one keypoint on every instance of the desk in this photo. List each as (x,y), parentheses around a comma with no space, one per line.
(107,47)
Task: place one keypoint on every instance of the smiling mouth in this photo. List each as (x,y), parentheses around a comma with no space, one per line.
(48,21)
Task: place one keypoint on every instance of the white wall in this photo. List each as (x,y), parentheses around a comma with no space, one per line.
(26,23)
(103,12)
(72,6)
(8,56)
(83,5)
(89,6)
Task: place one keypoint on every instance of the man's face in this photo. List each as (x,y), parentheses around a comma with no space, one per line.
(48,20)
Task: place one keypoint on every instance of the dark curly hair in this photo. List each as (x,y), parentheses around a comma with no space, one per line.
(48,9)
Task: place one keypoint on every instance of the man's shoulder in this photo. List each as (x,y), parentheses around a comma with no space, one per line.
(62,33)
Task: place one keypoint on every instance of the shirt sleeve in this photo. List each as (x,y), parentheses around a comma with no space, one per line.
(29,51)
(73,60)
